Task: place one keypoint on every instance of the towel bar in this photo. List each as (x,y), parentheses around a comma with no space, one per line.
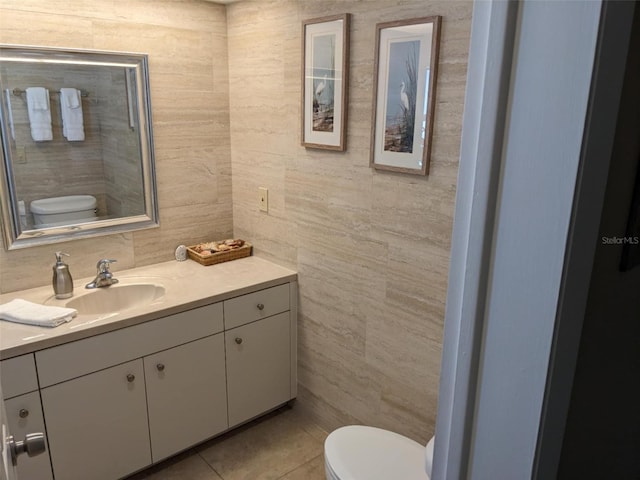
(18,92)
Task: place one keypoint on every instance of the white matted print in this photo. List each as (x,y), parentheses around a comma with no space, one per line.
(325,82)
(406,63)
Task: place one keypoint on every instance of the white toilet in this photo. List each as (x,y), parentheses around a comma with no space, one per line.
(71,209)
(359,452)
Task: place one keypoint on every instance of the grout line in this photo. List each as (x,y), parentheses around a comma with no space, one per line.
(299,466)
(209,465)
(310,429)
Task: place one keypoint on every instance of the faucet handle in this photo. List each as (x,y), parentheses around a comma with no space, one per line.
(103,265)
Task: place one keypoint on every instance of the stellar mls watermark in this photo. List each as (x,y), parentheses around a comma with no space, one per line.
(620,240)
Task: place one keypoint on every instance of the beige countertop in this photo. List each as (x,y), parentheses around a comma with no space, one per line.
(187,285)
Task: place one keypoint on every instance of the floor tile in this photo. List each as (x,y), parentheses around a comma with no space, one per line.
(186,466)
(309,426)
(266,449)
(312,470)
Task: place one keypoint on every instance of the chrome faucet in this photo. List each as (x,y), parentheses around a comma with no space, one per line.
(104,278)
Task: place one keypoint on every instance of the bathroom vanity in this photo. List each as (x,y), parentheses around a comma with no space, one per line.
(119,391)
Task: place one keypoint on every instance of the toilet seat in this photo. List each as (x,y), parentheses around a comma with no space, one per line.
(359,452)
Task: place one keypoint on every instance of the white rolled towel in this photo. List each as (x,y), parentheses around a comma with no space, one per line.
(72,117)
(22,311)
(39,114)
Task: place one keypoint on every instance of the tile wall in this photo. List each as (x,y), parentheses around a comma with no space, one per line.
(187,46)
(371,248)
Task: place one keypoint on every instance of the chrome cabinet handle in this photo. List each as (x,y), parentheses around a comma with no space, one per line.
(160,367)
(238,340)
(23,413)
(260,306)
(32,445)
(131,377)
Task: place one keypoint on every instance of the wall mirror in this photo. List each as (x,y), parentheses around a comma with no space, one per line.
(77,145)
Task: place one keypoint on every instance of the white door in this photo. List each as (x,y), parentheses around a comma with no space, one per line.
(7,470)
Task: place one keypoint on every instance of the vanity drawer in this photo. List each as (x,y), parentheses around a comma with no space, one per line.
(254,306)
(81,357)
(18,375)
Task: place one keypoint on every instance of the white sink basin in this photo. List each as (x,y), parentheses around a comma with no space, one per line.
(116,298)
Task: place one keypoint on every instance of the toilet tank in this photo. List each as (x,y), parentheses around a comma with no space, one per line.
(50,212)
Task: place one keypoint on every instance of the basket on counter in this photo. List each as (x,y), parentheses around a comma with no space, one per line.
(206,254)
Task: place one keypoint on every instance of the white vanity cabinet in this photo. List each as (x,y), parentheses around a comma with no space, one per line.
(24,412)
(97,424)
(102,402)
(117,402)
(258,339)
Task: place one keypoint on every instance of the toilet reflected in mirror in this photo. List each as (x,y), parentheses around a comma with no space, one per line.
(74,123)
(56,211)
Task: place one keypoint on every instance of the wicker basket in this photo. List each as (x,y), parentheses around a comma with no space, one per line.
(219,257)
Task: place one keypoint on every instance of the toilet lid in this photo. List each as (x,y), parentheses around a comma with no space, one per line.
(69,203)
(367,453)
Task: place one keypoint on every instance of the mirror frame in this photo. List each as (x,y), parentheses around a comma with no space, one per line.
(14,237)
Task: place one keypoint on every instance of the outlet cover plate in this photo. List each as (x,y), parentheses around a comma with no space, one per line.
(263,199)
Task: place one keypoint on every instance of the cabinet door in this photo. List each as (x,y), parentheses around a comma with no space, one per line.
(97,424)
(186,395)
(258,367)
(24,415)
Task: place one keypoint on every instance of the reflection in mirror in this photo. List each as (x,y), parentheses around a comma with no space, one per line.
(77,144)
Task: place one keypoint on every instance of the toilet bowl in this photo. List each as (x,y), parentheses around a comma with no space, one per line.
(55,211)
(359,452)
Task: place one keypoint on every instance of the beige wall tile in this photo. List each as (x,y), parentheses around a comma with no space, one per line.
(187,47)
(22,269)
(371,248)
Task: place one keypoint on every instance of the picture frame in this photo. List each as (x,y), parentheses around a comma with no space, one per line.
(325,82)
(404,92)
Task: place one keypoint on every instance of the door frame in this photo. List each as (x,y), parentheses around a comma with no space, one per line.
(493,51)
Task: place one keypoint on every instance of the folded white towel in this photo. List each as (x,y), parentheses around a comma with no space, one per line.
(22,311)
(39,113)
(71,97)
(38,97)
(71,110)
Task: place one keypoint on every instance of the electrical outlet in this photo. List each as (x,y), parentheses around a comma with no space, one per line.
(263,199)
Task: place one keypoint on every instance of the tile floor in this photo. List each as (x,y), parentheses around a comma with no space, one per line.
(283,445)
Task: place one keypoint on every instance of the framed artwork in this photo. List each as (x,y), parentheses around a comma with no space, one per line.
(325,82)
(404,88)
